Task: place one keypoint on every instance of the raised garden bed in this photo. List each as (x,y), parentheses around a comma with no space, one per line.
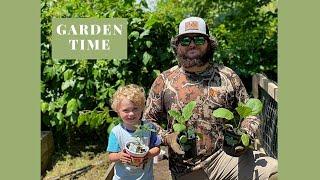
(47,149)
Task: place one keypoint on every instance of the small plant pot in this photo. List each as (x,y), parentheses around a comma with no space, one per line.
(232,143)
(189,147)
(136,157)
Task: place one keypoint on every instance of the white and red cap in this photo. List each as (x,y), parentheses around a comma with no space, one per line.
(192,25)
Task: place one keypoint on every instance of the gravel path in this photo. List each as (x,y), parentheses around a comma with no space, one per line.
(161,169)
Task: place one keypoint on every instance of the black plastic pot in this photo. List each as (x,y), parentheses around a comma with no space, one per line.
(232,144)
(190,148)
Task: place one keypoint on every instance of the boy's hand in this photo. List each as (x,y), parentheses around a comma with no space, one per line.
(124,157)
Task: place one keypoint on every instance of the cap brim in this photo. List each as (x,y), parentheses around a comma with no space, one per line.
(192,32)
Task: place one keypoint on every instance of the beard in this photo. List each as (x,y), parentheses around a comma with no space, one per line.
(190,59)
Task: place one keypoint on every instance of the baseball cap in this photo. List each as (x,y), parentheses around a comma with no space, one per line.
(192,25)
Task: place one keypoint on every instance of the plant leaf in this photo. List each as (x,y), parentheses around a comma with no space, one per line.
(49,72)
(191,133)
(187,110)
(179,127)
(72,106)
(42,87)
(241,104)
(151,21)
(93,119)
(73,119)
(51,107)
(60,116)
(138,132)
(111,125)
(200,135)
(68,74)
(61,101)
(149,44)
(134,34)
(176,115)
(109,119)
(245,139)
(255,105)
(148,127)
(183,139)
(81,119)
(155,73)
(67,84)
(243,111)
(223,113)
(44,107)
(230,140)
(146,58)
(145,33)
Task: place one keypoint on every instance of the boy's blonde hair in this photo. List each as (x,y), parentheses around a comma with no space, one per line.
(132,92)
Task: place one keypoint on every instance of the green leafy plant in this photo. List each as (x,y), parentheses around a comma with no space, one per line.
(142,129)
(74,93)
(137,145)
(181,119)
(251,107)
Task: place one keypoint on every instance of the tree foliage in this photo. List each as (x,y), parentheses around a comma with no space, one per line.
(75,94)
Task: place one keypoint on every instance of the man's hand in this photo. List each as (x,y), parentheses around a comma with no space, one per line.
(171,140)
(250,125)
(241,149)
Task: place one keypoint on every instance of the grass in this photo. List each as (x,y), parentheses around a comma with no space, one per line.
(76,156)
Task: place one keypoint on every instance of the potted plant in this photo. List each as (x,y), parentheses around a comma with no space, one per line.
(235,139)
(137,147)
(187,135)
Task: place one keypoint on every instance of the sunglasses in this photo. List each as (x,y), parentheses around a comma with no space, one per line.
(198,40)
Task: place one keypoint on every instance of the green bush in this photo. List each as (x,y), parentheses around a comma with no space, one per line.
(75,94)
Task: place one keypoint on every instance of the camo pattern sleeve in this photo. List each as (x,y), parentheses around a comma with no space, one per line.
(154,106)
(217,87)
(251,123)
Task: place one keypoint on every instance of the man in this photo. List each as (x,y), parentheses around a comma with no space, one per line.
(212,86)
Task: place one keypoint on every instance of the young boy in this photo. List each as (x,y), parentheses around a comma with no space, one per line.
(129,102)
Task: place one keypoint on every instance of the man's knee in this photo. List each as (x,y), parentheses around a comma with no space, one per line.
(274,177)
(273,169)
(274,166)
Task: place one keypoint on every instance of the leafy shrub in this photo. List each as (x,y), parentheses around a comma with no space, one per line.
(75,94)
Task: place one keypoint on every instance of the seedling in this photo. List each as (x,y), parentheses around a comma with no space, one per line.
(142,129)
(181,119)
(251,107)
(137,147)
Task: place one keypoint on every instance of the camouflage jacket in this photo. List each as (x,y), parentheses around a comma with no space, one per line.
(218,86)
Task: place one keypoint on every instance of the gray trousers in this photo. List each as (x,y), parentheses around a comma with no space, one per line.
(253,165)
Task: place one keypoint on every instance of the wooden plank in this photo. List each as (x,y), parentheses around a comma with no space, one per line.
(255,86)
(110,172)
(266,84)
